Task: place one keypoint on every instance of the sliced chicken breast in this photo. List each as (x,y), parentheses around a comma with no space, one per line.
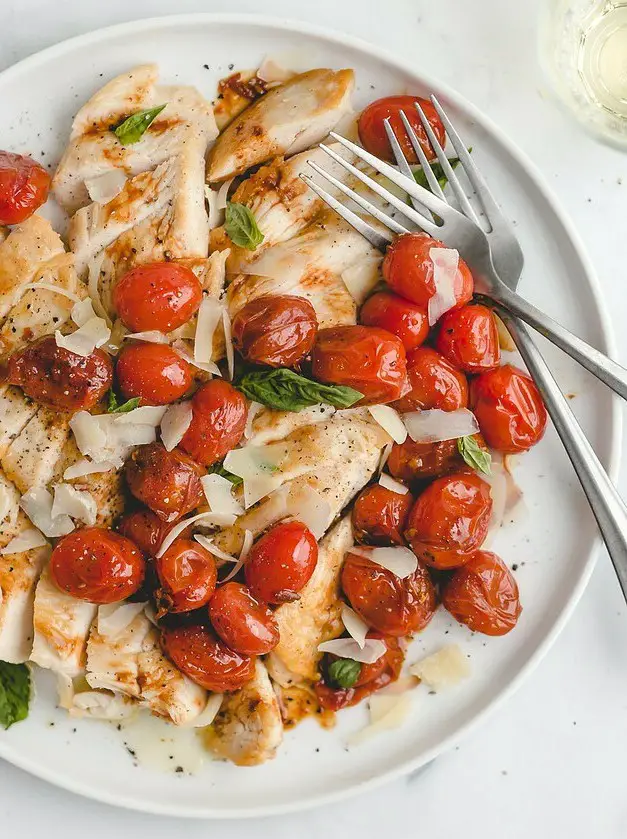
(248,728)
(15,413)
(286,120)
(186,122)
(269,426)
(32,459)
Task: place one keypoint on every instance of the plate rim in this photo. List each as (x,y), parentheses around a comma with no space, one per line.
(300,27)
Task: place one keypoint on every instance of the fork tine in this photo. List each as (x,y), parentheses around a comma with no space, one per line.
(378,239)
(422,158)
(464,203)
(403,165)
(422,221)
(492,209)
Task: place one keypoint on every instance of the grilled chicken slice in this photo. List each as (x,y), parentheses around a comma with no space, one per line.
(309,266)
(15,413)
(186,123)
(316,616)
(269,426)
(286,120)
(248,728)
(31,460)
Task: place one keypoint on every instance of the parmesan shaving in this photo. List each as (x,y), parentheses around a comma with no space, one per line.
(390,421)
(25,541)
(152,336)
(92,334)
(308,506)
(113,618)
(82,312)
(387,711)
(37,504)
(209,315)
(399,560)
(219,494)
(445,668)
(257,466)
(393,485)
(87,467)
(94,267)
(253,410)
(106,187)
(386,452)
(435,425)
(179,346)
(354,625)
(371,651)
(271,70)
(246,546)
(175,423)
(79,504)
(209,545)
(216,519)
(54,288)
(228,339)
(445,269)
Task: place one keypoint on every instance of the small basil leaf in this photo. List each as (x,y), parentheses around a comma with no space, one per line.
(241,227)
(114,407)
(133,128)
(285,390)
(220,470)
(343,672)
(438,171)
(15,689)
(476,457)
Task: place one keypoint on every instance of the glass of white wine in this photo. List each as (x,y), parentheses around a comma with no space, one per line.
(583,50)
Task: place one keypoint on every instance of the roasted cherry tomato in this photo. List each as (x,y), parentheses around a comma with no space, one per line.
(408,269)
(469,339)
(410,461)
(198,653)
(365,358)
(58,378)
(371,126)
(161,295)
(243,623)
(509,409)
(380,514)
(384,601)
(24,187)
(97,565)
(187,573)
(153,372)
(402,318)
(145,529)
(278,330)
(483,595)
(281,562)
(218,421)
(372,677)
(450,520)
(167,482)
(434,383)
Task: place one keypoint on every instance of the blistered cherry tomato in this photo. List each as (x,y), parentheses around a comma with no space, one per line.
(387,603)
(167,482)
(509,409)
(218,422)
(372,677)
(278,330)
(450,520)
(153,372)
(161,295)
(97,565)
(483,595)
(243,623)
(434,383)
(468,338)
(380,514)
(408,269)
(372,132)
(24,187)
(281,562)
(198,653)
(366,358)
(58,378)
(410,461)
(402,318)
(145,529)
(187,575)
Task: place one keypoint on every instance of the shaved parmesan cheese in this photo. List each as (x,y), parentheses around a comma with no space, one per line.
(355,626)
(144,415)
(82,312)
(257,466)
(271,70)
(445,265)
(87,467)
(118,333)
(246,546)
(175,423)
(89,432)
(104,188)
(217,519)
(152,336)
(362,277)
(179,346)
(443,669)
(371,651)
(79,504)
(306,504)
(388,482)
(506,342)
(56,289)
(25,541)
(228,339)
(94,267)
(253,410)
(110,437)
(37,504)
(436,425)
(399,560)
(223,194)
(219,494)
(387,450)
(113,618)
(92,334)
(387,711)
(390,421)
(208,715)
(208,545)
(209,315)
(214,216)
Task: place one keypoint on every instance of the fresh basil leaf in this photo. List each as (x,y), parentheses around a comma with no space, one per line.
(438,171)
(285,390)
(114,407)
(133,128)
(220,470)
(476,457)
(344,672)
(241,226)
(14,693)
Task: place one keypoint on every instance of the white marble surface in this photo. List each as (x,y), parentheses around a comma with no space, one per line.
(551,762)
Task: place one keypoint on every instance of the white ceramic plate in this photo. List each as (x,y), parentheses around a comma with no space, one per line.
(553,543)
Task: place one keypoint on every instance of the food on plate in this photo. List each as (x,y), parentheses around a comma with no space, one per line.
(239,463)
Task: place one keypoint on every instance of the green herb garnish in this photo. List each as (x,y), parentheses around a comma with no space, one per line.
(285,390)
(344,672)
(438,171)
(133,128)
(15,691)
(476,457)
(114,407)
(220,470)
(241,226)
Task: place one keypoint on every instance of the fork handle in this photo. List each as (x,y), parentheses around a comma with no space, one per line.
(604,368)
(608,507)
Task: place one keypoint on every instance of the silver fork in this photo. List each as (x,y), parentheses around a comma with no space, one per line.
(505,253)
